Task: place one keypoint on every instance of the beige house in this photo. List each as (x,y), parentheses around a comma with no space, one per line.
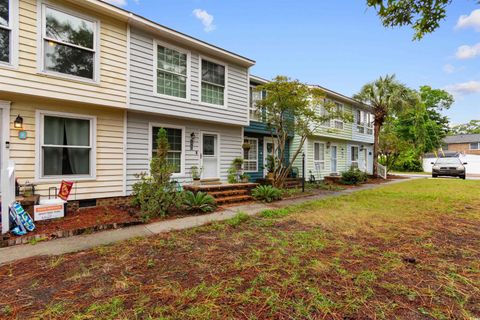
(463,143)
(63,100)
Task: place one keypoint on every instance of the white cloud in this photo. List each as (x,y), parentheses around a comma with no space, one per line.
(464,88)
(448,68)
(468,52)
(469,21)
(119,3)
(205,18)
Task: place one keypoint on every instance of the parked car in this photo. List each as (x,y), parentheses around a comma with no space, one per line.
(451,167)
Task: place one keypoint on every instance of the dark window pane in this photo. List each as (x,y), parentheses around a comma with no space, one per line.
(66,131)
(66,161)
(208,145)
(4,12)
(64,27)
(174,137)
(213,73)
(69,60)
(4,45)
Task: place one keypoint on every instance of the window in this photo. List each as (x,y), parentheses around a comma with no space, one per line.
(338,123)
(354,157)
(172,67)
(213,83)
(6,30)
(175,143)
(475,146)
(364,121)
(66,146)
(69,44)
(250,156)
(255,96)
(319,156)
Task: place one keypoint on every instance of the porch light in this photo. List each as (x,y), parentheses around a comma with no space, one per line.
(18,123)
(328,145)
(192,140)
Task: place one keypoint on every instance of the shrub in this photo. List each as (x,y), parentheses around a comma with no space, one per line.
(232,175)
(156,194)
(353,176)
(267,193)
(408,162)
(199,202)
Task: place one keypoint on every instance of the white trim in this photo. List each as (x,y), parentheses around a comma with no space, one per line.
(150,144)
(256,161)
(125,145)
(5,135)
(41,36)
(225,87)
(39,115)
(157,43)
(13,26)
(219,156)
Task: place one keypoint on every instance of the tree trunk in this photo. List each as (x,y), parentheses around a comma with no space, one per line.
(376,136)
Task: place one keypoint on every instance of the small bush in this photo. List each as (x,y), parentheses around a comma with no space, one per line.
(198,202)
(267,193)
(353,176)
(274,214)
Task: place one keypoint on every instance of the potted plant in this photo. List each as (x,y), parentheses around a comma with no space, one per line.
(237,163)
(244,178)
(246,146)
(195,174)
(270,166)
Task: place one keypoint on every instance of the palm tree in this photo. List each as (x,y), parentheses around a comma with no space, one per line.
(387,96)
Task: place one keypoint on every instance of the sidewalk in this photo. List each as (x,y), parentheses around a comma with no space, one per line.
(83,242)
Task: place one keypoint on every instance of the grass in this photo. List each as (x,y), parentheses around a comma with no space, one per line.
(406,251)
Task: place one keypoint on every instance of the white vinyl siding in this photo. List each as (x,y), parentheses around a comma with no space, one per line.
(69,44)
(250,157)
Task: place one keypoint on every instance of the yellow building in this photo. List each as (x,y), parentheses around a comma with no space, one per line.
(63,77)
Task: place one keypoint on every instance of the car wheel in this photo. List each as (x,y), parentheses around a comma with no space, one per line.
(434,176)
(462,177)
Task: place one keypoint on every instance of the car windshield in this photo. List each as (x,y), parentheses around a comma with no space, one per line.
(455,161)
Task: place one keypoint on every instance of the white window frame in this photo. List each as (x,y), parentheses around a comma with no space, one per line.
(150,144)
(157,43)
(41,23)
(13,29)
(351,155)
(256,156)
(320,163)
(339,121)
(252,108)
(225,87)
(470,146)
(40,115)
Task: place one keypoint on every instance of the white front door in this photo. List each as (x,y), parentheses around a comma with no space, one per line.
(269,146)
(210,155)
(333,159)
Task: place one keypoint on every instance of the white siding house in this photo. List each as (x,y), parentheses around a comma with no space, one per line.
(199,94)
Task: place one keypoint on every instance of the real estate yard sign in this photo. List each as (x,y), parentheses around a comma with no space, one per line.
(48,211)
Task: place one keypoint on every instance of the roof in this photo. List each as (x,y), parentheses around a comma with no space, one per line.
(342,97)
(140,22)
(258,80)
(462,138)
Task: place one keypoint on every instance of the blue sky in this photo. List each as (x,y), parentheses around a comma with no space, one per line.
(337,44)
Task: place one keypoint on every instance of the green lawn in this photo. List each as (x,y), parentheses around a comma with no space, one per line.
(408,251)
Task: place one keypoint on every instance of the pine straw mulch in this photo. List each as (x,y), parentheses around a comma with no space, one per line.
(265,268)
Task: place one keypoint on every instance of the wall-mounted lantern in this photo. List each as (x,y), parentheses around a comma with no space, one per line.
(362,147)
(192,140)
(18,123)
(328,145)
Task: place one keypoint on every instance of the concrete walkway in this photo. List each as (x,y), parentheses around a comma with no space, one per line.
(83,242)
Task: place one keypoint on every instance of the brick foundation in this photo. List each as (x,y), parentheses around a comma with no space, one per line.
(74,205)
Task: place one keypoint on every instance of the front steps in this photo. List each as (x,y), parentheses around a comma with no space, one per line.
(225,194)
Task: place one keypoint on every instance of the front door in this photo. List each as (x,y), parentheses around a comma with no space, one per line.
(333,159)
(268,150)
(210,155)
